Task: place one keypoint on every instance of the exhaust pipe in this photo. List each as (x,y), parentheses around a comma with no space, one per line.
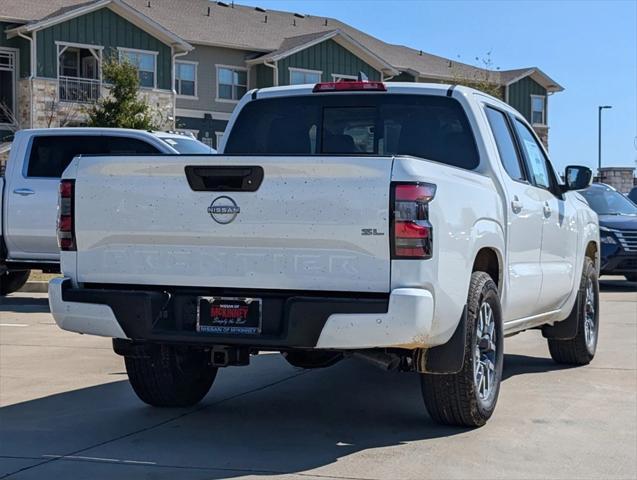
(382,360)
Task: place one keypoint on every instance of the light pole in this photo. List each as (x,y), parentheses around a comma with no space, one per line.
(599,138)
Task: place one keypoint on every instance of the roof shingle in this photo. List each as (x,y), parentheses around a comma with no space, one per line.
(243,27)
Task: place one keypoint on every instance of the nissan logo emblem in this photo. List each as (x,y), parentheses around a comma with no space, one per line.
(223,210)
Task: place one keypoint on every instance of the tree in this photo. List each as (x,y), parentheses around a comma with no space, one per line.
(481,77)
(64,114)
(122,108)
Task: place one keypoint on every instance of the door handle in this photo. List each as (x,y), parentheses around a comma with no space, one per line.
(547,210)
(516,205)
(24,191)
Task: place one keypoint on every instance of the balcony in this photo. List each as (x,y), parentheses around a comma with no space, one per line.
(79,90)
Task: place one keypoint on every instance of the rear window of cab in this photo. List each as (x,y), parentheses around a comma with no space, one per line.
(431,127)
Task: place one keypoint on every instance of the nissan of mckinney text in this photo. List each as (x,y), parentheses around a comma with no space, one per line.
(412,225)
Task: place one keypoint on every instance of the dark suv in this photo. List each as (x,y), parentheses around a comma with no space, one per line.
(617,230)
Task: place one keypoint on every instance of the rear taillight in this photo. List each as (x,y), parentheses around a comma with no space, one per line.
(65,224)
(349,86)
(412,234)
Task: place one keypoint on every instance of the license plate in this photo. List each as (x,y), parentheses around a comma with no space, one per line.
(229,315)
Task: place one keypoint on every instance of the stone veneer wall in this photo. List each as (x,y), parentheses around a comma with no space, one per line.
(23,113)
(621,178)
(161,103)
(3,162)
(49,112)
(543,133)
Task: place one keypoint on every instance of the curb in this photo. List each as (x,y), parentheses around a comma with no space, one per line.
(35,287)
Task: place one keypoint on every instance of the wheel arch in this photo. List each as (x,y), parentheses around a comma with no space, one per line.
(488,260)
(592,252)
(488,251)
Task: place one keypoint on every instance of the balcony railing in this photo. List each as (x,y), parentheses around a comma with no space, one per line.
(80,90)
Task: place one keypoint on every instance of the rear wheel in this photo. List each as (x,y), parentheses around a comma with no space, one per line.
(312,358)
(580,350)
(13,281)
(166,376)
(468,398)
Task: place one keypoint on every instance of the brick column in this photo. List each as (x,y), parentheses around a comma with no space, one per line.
(621,178)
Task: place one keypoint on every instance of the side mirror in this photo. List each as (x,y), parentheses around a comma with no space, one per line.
(577,177)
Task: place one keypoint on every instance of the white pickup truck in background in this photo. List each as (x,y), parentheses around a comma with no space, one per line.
(29,189)
(412,225)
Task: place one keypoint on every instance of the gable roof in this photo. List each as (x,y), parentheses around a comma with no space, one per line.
(68,11)
(508,77)
(205,22)
(292,45)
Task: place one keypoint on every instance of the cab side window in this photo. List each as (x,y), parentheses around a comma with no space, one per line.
(535,159)
(125,145)
(51,154)
(506,146)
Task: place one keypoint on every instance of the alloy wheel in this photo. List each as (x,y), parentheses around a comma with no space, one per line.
(590,330)
(485,351)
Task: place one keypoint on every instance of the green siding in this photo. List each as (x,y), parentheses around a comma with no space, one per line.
(101,28)
(520,96)
(264,76)
(329,57)
(19,43)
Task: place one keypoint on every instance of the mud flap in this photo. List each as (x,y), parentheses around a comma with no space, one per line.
(447,358)
(567,328)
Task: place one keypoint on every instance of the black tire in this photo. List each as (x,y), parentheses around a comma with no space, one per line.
(631,277)
(312,359)
(13,281)
(455,399)
(579,351)
(168,376)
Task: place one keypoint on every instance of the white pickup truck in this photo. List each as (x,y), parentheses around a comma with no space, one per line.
(411,225)
(29,189)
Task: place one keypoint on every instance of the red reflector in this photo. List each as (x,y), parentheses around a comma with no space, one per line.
(66,223)
(415,192)
(66,189)
(66,244)
(412,252)
(349,87)
(411,230)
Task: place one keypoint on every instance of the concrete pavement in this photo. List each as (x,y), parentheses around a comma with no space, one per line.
(69,412)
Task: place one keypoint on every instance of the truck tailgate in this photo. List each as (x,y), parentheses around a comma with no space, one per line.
(314,223)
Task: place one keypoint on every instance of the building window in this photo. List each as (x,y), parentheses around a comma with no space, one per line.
(70,62)
(299,76)
(146,64)
(232,83)
(538,109)
(8,70)
(337,77)
(218,137)
(186,78)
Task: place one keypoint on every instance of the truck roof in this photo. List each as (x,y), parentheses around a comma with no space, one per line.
(88,130)
(392,87)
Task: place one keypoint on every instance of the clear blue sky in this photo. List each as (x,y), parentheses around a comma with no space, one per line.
(589,47)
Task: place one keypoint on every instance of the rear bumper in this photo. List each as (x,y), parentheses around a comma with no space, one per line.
(290,320)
